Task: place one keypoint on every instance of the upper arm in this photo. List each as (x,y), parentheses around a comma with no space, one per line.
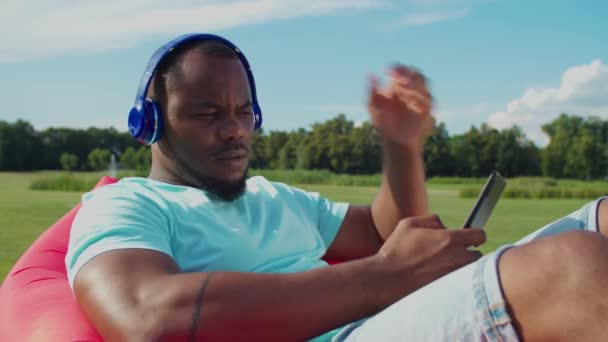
(111,219)
(357,236)
(119,243)
(113,289)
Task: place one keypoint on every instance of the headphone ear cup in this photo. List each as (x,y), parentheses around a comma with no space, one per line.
(257,116)
(137,122)
(154,121)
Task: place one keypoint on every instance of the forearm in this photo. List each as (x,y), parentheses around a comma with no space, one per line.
(403,191)
(249,306)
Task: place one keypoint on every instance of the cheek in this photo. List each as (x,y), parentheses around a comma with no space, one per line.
(192,144)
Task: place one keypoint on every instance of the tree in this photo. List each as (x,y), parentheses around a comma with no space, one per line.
(143,160)
(365,155)
(98,159)
(20,146)
(516,155)
(586,158)
(288,154)
(257,158)
(68,161)
(576,147)
(273,143)
(438,157)
(466,149)
(128,159)
(328,144)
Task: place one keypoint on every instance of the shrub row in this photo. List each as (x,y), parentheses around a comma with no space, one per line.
(80,182)
(86,181)
(542,192)
(63,183)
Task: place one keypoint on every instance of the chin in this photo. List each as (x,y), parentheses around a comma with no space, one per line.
(224,188)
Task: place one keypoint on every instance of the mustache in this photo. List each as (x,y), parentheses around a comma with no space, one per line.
(236,146)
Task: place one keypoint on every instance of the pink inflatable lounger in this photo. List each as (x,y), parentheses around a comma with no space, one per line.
(36,301)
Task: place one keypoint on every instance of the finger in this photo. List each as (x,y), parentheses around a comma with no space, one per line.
(415,105)
(421,102)
(468,237)
(418,88)
(377,91)
(373,82)
(418,107)
(408,76)
(425,221)
(421,92)
(435,222)
(376,96)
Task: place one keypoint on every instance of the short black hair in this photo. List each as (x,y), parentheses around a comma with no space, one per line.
(169,72)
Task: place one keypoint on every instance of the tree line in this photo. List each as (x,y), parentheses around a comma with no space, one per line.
(578,148)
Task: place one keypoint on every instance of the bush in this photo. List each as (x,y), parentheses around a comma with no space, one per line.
(80,182)
(470,192)
(542,192)
(69,161)
(517,193)
(455,180)
(317,177)
(85,181)
(63,183)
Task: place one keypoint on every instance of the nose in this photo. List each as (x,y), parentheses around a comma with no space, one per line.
(233,126)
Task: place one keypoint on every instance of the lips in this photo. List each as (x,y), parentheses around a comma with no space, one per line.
(232,154)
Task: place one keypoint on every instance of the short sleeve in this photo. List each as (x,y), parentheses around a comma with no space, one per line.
(331,216)
(327,215)
(112,218)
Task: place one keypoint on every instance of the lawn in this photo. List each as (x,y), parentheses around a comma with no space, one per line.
(25,213)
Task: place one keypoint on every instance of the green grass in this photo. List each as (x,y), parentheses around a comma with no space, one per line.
(542,188)
(511,220)
(25,213)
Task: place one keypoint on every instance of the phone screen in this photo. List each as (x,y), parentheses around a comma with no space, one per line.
(486,201)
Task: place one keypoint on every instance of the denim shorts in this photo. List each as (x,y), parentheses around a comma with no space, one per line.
(465,305)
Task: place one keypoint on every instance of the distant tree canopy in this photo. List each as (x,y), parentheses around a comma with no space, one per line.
(68,161)
(578,148)
(23,148)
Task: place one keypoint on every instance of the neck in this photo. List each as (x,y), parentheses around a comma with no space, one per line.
(162,173)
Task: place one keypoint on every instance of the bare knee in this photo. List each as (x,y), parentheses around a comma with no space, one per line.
(552,284)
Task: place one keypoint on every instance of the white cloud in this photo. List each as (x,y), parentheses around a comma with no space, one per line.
(34,28)
(583,90)
(425,18)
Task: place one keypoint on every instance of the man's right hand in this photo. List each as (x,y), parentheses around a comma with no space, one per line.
(421,250)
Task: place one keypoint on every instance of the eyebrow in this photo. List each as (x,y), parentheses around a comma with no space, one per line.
(208,104)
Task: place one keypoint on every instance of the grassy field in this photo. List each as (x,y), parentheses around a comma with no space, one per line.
(25,213)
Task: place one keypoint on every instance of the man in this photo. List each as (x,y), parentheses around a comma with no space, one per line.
(196,252)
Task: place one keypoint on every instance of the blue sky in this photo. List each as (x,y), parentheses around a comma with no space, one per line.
(67,63)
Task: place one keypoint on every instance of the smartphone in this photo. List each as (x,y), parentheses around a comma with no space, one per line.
(486,201)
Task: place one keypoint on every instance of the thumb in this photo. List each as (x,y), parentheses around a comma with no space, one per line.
(426,221)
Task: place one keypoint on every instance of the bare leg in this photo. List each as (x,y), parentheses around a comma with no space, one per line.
(557,286)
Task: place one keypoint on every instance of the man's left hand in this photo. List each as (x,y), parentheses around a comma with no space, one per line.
(401,112)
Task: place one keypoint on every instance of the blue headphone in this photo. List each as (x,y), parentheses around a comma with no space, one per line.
(145,118)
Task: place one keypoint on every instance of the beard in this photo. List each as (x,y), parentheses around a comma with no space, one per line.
(223,190)
(220,189)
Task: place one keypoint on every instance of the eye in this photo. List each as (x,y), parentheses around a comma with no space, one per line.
(205,115)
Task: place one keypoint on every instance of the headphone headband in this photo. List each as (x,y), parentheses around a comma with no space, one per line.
(139,127)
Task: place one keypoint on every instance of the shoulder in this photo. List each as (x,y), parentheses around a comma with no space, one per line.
(259,184)
(129,198)
(131,189)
